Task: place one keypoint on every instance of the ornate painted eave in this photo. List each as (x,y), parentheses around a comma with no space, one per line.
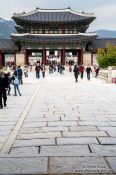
(54,38)
(53,15)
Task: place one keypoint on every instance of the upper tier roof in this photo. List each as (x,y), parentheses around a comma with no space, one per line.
(53,15)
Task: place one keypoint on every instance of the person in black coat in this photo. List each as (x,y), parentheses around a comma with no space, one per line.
(76,72)
(88,70)
(3,88)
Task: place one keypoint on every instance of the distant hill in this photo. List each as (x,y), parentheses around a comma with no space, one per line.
(6,28)
(106,33)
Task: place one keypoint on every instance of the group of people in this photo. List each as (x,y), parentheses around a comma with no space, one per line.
(53,67)
(81,69)
(16,78)
(6,79)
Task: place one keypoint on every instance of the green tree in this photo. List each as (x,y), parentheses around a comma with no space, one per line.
(107,57)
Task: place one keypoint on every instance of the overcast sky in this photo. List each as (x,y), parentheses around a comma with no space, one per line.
(104,10)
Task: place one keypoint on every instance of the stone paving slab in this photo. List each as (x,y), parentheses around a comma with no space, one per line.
(25,151)
(112,163)
(65,151)
(34,124)
(43,119)
(23,165)
(33,142)
(107,141)
(75,141)
(39,135)
(103,150)
(63,123)
(83,128)
(85,134)
(94,123)
(78,165)
(43,129)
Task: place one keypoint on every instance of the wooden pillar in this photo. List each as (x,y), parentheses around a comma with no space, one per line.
(91,58)
(63,56)
(43,56)
(15,58)
(81,56)
(26,57)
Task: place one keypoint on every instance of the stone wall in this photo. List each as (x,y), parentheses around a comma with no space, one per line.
(87,59)
(20,59)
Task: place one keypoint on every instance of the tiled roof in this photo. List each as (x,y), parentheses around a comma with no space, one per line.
(101,43)
(46,38)
(8,45)
(58,15)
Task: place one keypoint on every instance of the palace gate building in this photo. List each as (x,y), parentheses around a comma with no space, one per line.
(52,33)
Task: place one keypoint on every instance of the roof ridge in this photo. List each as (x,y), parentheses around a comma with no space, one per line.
(68,9)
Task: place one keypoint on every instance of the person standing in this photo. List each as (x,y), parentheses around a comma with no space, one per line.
(81,69)
(3,88)
(88,71)
(76,72)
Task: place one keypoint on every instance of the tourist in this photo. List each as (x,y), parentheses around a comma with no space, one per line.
(3,88)
(76,72)
(81,70)
(70,68)
(9,83)
(37,69)
(50,69)
(43,69)
(62,68)
(16,85)
(88,71)
(25,70)
(20,74)
(97,71)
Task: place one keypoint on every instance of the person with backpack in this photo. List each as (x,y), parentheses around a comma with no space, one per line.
(16,85)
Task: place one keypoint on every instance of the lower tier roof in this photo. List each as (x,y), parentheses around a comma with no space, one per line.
(51,38)
(101,43)
(7,45)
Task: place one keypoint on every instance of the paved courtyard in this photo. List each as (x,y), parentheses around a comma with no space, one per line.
(59,126)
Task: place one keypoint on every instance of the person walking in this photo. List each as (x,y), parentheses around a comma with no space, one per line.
(88,71)
(97,71)
(82,69)
(9,82)
(3,88)
(37,69)
(20,74)
(76,72)
(43,69)
(16,85)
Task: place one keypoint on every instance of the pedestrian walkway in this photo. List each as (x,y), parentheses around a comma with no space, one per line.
(59,126)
